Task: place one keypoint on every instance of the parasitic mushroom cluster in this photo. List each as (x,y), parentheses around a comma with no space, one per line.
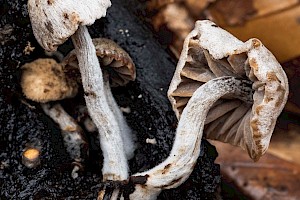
(222,89)
(55,21)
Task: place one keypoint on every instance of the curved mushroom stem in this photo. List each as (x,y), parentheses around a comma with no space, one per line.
(126,133)
(186,148)
(115,166)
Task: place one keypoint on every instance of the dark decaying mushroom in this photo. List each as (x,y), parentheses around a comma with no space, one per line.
(210,52)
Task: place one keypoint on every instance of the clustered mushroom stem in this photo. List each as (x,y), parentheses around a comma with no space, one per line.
(115,165)
(127,137)
(186,148)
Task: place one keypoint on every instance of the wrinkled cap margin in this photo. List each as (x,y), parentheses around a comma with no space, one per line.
(210,52)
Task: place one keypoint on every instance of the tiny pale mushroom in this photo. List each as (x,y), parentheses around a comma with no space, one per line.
(118,69)
(210,52)
(44,80)
(53,22)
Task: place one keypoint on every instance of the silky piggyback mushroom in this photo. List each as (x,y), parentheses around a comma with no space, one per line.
(53,22)
(186,147)
(118,69)
(210,52)
(215,65)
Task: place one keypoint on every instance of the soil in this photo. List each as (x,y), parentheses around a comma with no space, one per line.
(23,122)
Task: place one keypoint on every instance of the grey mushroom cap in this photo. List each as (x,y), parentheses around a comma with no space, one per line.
(210,52)
(54,21)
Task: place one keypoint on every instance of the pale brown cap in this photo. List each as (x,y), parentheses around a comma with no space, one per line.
(44,80)
(210,52)
(54,21)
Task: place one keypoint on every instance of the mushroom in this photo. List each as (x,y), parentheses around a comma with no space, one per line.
(118,70)
(186,147)
(53,21)
(43,81)
(210,52)
(31,157)
(202,77)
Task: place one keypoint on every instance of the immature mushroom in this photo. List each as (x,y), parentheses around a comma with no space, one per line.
(211,52)
(117,66)
(53,22)
(31,157)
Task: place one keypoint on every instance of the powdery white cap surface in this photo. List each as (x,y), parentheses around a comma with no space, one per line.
(54,21)
(210,52)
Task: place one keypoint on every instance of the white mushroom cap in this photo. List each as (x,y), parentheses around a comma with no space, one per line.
(44,80)
(54,21)
(210,52)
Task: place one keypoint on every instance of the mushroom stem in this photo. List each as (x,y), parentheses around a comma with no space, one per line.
(127,136)
(115,165)
(186,148)
(72,133)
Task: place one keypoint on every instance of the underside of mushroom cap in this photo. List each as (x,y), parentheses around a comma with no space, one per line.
(54,21)
(44,80)
(210,52)
(113,58)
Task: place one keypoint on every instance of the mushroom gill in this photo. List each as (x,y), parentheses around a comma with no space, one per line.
(210,52)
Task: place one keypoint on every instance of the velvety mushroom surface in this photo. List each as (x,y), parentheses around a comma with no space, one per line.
(44,80)
(210,52)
